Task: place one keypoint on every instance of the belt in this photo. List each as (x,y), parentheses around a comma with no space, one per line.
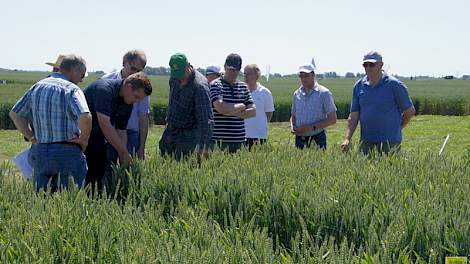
(67,143)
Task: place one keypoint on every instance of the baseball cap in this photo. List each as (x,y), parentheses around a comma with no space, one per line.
(178,63)
(308,68)
(373,57)
(234,61)
(213,70)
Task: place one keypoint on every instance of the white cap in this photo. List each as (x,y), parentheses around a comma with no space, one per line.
(308,68)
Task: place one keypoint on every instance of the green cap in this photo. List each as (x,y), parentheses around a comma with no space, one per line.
(178,63)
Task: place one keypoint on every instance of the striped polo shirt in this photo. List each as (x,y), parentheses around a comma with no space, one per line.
(230,129)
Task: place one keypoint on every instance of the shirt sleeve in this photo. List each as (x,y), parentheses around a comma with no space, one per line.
(355,100)
(204,117)
(402,98)
(329,103)
(215,92)
(122,115)
(144,106)
(23,107)
(102,100)
(268,102)
(78,104)
(248,97)
(292,110)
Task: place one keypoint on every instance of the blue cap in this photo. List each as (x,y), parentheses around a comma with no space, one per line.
(373,57)
(213,69)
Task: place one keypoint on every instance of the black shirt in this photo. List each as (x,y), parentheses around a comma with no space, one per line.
(103,97)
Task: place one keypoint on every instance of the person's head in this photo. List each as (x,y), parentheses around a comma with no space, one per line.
(213,72)
(251,73)
(372,63)
(179,66)
(135,87)
(232,66)
(74,67)
(307,75)
(56,65)
(132,62)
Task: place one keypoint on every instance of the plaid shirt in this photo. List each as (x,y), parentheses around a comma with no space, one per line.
(189,107)
(53,106)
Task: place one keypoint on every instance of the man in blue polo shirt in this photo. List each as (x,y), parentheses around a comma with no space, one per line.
(383,107)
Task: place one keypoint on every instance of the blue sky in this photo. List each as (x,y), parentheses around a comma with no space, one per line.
(415,37)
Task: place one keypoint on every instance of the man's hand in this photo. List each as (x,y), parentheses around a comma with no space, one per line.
(125,158)
(293,129)
(345,145)
(141,153)
(83,143)
(302,130)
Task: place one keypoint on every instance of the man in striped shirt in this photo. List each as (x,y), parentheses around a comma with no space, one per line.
(57,109)
(232,103)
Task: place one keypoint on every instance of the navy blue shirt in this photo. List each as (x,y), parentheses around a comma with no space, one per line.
(103,97)
(380,108)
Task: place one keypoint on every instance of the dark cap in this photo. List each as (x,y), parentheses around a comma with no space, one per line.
(234,61)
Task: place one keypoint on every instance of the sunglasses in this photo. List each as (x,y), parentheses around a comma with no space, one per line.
(369,65)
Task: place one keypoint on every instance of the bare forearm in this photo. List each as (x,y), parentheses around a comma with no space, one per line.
(407,115)
(143,129)
(22,125)
(269,116)
(352,124)
(248,113)
(85,127)
(114,138)
(228,109)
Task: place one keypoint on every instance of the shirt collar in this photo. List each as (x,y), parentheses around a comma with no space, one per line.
(365,80)
(59,75)
(315,88)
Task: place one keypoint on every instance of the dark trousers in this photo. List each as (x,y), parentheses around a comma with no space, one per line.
(97,160)
(254,141)
(379,147)
(302,142)
(230,147)
(178,143)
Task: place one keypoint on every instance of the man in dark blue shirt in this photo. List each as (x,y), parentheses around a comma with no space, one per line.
(110,103)
(383,107)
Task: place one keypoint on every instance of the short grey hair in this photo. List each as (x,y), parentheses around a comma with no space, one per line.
(72,62)
(255,68)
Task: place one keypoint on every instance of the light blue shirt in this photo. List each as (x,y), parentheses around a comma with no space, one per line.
(313,107)
(53,106)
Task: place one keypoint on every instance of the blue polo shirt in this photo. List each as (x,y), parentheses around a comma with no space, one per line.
(380,108)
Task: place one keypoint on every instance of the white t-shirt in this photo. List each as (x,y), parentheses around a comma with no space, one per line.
(257,127)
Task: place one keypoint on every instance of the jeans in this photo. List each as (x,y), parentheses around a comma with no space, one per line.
(133,141)
(379,147)
(320,140)
(54,163)
(178,143)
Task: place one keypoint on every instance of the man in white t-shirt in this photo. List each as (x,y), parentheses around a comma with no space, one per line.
(256,128)
(138,124)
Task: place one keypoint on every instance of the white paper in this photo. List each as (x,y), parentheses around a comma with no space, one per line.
(22,162)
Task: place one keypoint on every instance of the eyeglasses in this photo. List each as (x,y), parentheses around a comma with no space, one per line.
(368,65)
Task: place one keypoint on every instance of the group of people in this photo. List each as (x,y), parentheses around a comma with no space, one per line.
(84,133)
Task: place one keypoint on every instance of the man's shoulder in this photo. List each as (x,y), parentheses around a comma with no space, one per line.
(107,85)
(200,81)
(322,89)
(57,82)
(388,79)
(263,89)
(114,75)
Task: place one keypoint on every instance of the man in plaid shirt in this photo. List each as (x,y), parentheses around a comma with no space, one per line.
(190,119)
(57,109)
